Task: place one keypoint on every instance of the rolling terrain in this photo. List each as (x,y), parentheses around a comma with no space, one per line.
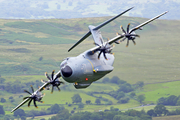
(28,48)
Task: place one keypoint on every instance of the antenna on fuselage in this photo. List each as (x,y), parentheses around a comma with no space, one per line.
(98,27)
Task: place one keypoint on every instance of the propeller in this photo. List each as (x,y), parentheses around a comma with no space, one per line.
(104,48)
(34,96)
(53,80)
(129,34)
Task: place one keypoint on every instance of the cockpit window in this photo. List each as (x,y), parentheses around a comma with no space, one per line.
(63,64)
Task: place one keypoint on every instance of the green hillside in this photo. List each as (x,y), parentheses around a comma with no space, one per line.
(35,46)
(28,48)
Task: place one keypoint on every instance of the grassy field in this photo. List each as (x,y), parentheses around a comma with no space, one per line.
(28,48)
(176,117)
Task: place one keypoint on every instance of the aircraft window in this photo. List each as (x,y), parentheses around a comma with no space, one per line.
(63,64)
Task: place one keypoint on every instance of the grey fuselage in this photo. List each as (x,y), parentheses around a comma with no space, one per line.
(86,68)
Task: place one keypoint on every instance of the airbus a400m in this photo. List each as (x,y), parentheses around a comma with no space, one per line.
(89,66)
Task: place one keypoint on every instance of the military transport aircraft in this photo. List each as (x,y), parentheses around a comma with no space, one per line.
(89,66)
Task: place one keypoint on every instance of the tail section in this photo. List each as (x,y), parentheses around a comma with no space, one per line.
(96,35)
(95,30)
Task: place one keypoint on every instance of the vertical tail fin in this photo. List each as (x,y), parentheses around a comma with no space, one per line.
(95,29)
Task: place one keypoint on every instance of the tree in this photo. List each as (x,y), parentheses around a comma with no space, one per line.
(3,100)
(106,80)
(151,113)
(81,105)
(2,110)
(125,88)
(124,100)
(55,109)
(178,102)
(98,101)
(120,95)
(62,115)
(96,116)
(140,84)
(23,118)
(41,58)
(141,98)
(19,112)
(11,97)
(160,109)
(133,94)
(2,80)
(117,117)
(88,101)
(115,80)
(161,101)
(172,100)
(76,98)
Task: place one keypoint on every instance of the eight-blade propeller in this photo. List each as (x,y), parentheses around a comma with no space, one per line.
(53,80)
(130,35)
(34,96)
(104,48)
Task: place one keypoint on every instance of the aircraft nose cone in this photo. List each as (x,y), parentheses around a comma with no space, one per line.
(66,71)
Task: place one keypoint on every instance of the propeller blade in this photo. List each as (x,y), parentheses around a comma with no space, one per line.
(32,88)
(117,34)
(134,42)
(122,29)
(127,43)
(47,76)
(104,55)
(117,42)
(58,75)
(62,82)
(96,44)
(52,89)
(58,88)
(128,28)
(123,39)
(27,92)
(25,98)
(35,103)
(30,102)
(134,35)
(43,81)
(52,75)
(99,54)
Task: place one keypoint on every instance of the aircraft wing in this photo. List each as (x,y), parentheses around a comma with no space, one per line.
(26,100)
(43,86)
(40,89)
(141,25)
(20,104)
(93,50)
